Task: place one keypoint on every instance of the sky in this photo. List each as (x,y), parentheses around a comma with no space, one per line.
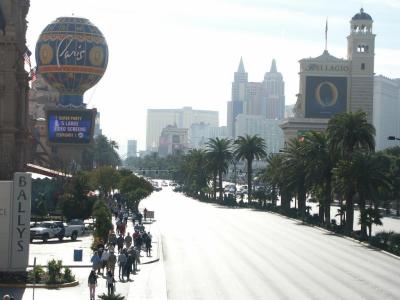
(175,53)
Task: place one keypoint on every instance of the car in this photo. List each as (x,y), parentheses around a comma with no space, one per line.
(55,229)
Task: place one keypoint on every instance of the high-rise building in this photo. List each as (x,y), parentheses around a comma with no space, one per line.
(386,111)
(268,129)
(200,133)
(266,98)
(173,140)
(158,119)
(132,148)
(274,89)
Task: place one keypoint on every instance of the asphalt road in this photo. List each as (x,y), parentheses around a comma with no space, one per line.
(212,252)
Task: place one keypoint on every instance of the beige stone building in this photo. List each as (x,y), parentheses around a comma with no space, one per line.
(330,85)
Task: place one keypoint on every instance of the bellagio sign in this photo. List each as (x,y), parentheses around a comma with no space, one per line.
(15,214)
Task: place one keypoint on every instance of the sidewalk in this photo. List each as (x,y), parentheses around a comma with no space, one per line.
(141,284)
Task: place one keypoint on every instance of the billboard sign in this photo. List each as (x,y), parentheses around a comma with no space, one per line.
(325,96)
(70,126)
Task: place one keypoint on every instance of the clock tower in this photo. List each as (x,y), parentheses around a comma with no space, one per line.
(360,53)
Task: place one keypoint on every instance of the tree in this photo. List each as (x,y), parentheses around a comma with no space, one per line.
(369,217)
(319,162)
(101,153)
(249,148)
(134,189)
(196,171)
(274,176)
(347,133)
(75,202)
(370,172)
(105,179)
(102,216)
(220,154)
(294,166)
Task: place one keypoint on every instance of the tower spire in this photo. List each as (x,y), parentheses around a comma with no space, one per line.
(241,66)
(273,67)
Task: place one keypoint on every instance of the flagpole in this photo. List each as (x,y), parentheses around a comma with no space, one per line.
(326,35)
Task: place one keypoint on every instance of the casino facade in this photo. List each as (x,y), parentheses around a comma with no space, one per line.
(330,85)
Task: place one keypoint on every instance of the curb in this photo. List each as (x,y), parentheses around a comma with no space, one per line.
(40,285)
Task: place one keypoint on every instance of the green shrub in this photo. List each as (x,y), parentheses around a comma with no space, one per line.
(54,271)
(67,276)
(36,274)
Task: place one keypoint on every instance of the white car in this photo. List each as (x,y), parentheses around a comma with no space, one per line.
(55,229)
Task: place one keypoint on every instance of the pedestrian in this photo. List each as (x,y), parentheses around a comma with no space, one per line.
(104,259)
(110,282)
(92,283)
(145,213)
(120,243)
(128,241)
(122,228)
(112,260)
(112,238)
(129,264)
(96,262)
(147,242)
(140,217)
(121,263)
(138,242)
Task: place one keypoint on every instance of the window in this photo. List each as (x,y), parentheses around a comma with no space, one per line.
(362,66)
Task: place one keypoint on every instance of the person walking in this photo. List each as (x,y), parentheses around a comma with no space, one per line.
(104,259)
(112,260)
(128,241)
(110,282)
(120,243)
(129,263)
(147,242)
(92,283)
(96,262)
(121,264)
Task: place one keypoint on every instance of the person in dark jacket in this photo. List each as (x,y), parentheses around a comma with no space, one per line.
(92,283)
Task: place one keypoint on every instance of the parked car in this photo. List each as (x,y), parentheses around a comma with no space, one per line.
(55,229)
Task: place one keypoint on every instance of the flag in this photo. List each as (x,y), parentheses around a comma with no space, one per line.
(32,74)
(27,58)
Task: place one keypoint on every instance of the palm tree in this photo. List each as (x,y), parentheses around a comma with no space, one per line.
(196,175)
(274,176)
(371,172)
(220,155)
(319,164)
(249,148)
(347,133)
(294,165)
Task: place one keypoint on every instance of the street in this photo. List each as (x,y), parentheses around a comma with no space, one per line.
(213,252)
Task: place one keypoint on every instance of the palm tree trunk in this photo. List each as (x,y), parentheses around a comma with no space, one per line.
(327,204)
(361,205)
(221,192)
(249,173)
(349,214)
(215,185)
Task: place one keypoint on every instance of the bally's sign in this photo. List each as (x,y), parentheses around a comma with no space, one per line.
(327,68)
(15,214)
